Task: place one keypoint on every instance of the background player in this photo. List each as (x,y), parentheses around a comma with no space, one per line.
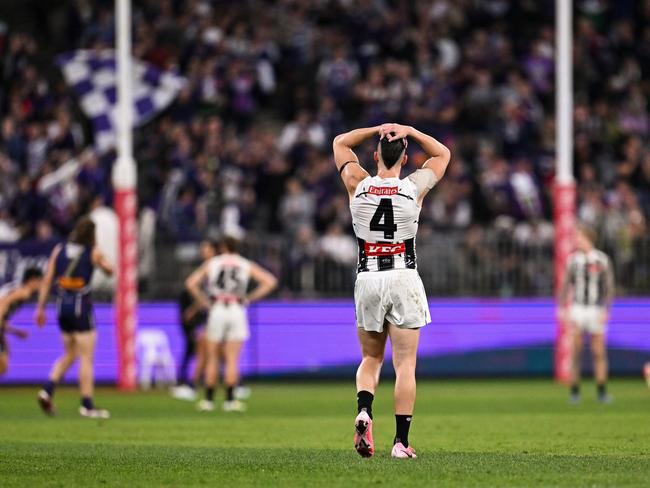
(389,296)
(9,304)
(589,287)
(192,318)
(70,270)
(227,278)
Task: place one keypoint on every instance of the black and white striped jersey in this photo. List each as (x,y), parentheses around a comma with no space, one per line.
(385,215)
(590,278)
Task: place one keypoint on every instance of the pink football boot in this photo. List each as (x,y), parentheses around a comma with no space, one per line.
(363,442)
(401,452)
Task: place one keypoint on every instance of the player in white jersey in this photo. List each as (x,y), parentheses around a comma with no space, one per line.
(390,300)
(226,278)
(585,299)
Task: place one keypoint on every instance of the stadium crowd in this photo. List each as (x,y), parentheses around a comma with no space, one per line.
(245,149)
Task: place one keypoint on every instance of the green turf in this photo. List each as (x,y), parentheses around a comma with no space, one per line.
(467,433)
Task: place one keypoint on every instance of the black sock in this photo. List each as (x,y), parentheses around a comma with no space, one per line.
(49,387)
(575,389)
(402,425)
(209,393)
(190,384)
(364,402)
(602,389)
(230,393)
(87,402)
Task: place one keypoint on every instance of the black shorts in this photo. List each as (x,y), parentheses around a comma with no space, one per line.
(75,315)
(70,324)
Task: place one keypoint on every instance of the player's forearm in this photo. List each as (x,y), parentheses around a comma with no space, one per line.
(43,293)
(261,291)
(431,146)
(199,297)
(12,330)
(356,137)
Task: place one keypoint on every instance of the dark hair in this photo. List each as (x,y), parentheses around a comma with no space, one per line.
(32,274)
(230,244)
(391,151)
(213,243)
(84,232)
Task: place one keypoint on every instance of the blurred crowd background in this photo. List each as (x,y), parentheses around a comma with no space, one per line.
(246,148)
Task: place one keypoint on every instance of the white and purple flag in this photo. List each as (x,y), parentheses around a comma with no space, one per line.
(93,77)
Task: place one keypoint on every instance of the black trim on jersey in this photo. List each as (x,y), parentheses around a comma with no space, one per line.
(602,285)
(362,264)
(409,255)
(398,194)
(344,165)
(585,270)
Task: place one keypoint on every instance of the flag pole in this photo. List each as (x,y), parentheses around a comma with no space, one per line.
(564,191)
(124,185)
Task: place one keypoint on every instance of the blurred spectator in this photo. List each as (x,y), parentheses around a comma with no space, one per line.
(297,208)
(303,131)
(338,246)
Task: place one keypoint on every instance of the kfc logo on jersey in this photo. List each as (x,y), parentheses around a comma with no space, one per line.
(383,190)
(594,268)
(384,249)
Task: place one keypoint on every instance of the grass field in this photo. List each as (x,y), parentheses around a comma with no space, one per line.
(467,433)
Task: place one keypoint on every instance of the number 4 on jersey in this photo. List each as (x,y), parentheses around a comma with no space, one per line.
(384,211)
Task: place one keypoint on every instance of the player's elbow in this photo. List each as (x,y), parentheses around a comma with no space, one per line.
(444,158)
(272,283)
(445,155)
(189,284)
(339,140)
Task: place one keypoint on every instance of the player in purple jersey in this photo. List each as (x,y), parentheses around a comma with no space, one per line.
(70,270)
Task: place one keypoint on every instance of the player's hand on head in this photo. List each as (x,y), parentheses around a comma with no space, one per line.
(394,131)
(385,129)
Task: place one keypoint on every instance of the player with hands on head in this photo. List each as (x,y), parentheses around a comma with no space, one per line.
(390,299)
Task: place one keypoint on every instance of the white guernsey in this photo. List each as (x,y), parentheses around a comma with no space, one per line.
(389,297)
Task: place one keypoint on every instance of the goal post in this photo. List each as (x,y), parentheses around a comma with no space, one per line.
(564,189)
(126,205)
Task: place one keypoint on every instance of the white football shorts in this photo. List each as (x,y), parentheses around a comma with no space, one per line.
(394,296)
(226,323)
(588,318)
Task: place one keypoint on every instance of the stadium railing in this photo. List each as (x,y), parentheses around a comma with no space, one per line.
(450,263)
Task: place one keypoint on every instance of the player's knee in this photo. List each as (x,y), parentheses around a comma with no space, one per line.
(404,367)
(373,360)
(70,355)
(86,355)
(598,354)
